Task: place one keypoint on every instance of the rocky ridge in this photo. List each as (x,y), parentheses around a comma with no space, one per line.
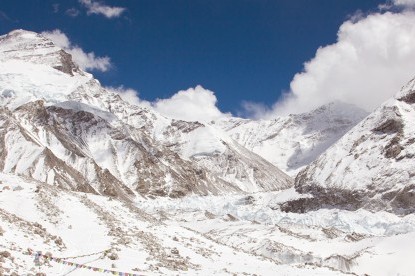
(370,167)
(60,126)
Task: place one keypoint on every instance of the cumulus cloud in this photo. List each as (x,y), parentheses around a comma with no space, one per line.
(94,7)
(404,3)
(372,58)
(129,95)
(193,104)
(254,110)
(86,61)
(397,4)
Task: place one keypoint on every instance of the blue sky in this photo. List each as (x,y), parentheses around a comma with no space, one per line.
(244,51)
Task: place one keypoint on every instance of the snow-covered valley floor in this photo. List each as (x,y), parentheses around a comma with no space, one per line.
(220,235)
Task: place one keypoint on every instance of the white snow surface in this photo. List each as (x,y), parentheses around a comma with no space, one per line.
(22,82)
(294,141)
(220,235)
(240,231)
(28,46)
(28,73)
(374,159)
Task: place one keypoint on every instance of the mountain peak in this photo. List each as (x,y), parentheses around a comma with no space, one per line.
(370,166)
(33,47)
(407,93)
(333,110)
(22,40)
(23,33)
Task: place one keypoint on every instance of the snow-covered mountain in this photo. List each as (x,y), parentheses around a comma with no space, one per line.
(34,48)
(60,126)
(292,142)
(372,166)
(74,157)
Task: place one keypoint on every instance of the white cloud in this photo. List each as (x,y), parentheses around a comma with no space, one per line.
(94,7)
(404,3)
(193,104)
(254,110)
(393,4)
(372,58)
(129,95)
(58,38)
(86,61)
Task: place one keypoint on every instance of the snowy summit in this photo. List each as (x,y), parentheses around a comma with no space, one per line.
(92,184)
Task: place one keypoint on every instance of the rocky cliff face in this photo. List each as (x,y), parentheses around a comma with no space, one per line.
(80,151)
(209,148)
(371,166)
(60,126)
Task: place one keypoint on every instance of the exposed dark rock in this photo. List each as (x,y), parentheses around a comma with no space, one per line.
(391,125)
(324,198)
(332,232)
(113,256)
(111,186)
(402,201)
(184,126)
(248,200)
(393,151)
(409,98)
(393,148)
(5,254)
(209,215)
(229,217)
(67,66)
(410,141)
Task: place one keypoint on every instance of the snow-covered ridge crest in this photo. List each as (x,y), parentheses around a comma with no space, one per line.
(33,47)
(34,68)
(292,142)
(407,92)
(81,136)
(371,166)
(62,132)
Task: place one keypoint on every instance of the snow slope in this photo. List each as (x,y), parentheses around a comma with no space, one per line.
(219,235)
(74,157)
(371,166)
(292,142)
(64,224)
(21,45)
(78,135)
